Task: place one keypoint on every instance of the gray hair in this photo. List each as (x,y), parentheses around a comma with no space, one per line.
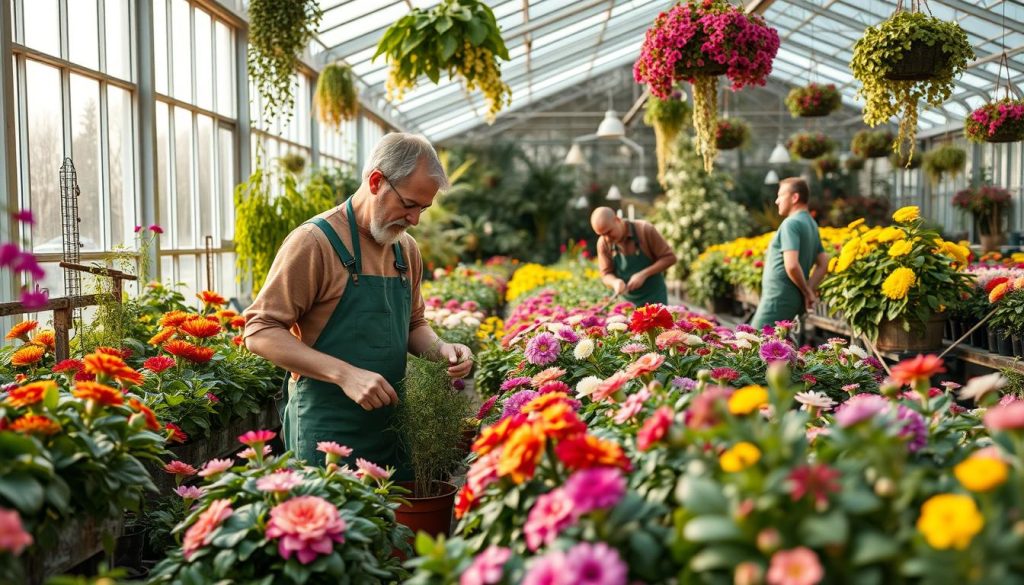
(398,154)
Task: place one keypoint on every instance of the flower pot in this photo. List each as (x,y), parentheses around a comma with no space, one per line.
(719,305)
(1005,133)
(993,340)
(128,551)
(991,242)
(432,515)
(980,337)
(892,337)
(1005,344)
(920,62)
(1015,340)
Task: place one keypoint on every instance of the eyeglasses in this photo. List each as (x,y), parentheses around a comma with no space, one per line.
(405,202)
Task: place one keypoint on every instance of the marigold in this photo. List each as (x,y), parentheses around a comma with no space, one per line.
(998,292)
(980,473)
(748,399)
(101,393)
(855,223)
(901,248)
(46,338)
(21,330)
(162,336)
(906,214)
(146,412)
(521,453)
(200,327)
(173,318)
(586,451)
(891,234)
(848,254)
(186,350)
(898,284)
(739,457)
(209,297)
(950,521)
(496,434)
(34,424)
(103,364)
(27,355)
(30,394)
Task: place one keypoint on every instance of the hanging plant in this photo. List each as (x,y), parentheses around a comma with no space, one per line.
(292,162)
(279,30)
(871,143)
(854,163)
(825,165)
(908,58)
(813,100)
(808,145)
(460,37)
(942,161)
(731,134)
(1000,121)
(667,118)
(336,98)
(906,162)
(697,41)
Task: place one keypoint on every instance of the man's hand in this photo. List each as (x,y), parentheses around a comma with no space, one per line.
(810,299)
(636,281)
(368,389)
(459,357)
(619,287)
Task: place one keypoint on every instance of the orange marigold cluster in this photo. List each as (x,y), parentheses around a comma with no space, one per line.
(101,393)
(29,394)
(27,355)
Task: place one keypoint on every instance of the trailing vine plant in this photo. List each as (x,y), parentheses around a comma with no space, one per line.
(336,98)
(667,118)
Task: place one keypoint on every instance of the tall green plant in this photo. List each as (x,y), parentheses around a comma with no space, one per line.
(279,31)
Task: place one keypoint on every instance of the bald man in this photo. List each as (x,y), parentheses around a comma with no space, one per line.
(632,257)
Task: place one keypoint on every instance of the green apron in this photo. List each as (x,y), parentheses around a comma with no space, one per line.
(626,265)
(369,329)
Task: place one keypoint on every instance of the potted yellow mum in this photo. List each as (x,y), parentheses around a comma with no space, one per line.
(893,284)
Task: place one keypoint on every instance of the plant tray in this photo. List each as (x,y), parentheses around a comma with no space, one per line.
(78,540)
(919,63)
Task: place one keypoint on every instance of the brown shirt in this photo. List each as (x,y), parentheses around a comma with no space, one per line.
(307,278)
(651,243)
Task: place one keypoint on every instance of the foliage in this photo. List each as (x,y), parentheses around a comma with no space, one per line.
(336,98)
(667,117)
(871,143)
(293,163)
(825,165)
(905,162)
(457,36)
(1008,317)
(708,278)
(813,100)
(731,133)
(854,163)
(998,121)
(809,145)
(278,33)
(876,54)
(944,160)
(987,204)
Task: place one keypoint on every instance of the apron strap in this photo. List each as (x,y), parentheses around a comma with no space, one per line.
(355,234)
(632,234)
(400,261)
(339,248)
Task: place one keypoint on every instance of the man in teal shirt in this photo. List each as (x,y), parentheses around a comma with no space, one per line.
(788,287)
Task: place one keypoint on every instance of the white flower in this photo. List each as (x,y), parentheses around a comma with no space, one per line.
(555,327)
(691,339)
(451,321)
(583,349)
(616,327)
(471,321)
(748,336)
(856,350)
(430,315)
(815,399)
(617,319)
(982,385)
(741,344)
(586,386)
(442,313)
(575,320)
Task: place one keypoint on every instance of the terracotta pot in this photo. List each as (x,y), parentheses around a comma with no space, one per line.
(991,242)
(919,63)
(892,337)
(432,515)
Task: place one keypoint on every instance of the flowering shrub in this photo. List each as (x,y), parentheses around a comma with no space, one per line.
(813,100)
(273,519)
(731,133)
(484,286)
(808,145)
(1000,121)
(986,203)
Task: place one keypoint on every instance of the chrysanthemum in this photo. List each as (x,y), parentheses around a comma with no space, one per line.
(898,283)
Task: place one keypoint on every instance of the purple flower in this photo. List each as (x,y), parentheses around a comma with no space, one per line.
(687,384)
(24,216)
(568,335)
(515,383)
(859,408)
(776,351)
(914,428)
(595,564)
(486,568)
(26,262)
(595,488)
(873,362)
(547,570)
(34,299)
(744,328)
(458,384)
(543,349)
(516,402)
(9,253)
(768,331)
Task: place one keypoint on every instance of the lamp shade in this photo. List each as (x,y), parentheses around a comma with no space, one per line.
(613,194)
(780,155)
(639,184)
(575,156)
(772,178)
(581,202)
(611,126)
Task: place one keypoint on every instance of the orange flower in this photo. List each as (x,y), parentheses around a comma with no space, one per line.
(101,393)
(35,424)
(30,394)
(27,355)
(103,364)
(46,338)
(173,318)
(200,327)
(497,434)
(121,353)
(129,377)
(162,336)
(211,298)
(521,454)
(648,363)
(586,451)
(548,375)
(226,314)
(701,324)
(465,502)
(544,401)
(238,322)
(998,292)
(186,350)
(921,367)
(21,330)
(559,421)
(147,412)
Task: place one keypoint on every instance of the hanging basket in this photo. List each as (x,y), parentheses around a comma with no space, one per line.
(1006,133)
(919,63)
(809,146)
(731,134)
(871,143)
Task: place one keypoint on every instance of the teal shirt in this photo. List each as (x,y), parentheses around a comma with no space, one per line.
(780,298)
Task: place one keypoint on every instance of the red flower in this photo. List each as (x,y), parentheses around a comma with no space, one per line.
(818,480)
(158,364)
(586,451)
(177,435)
(72,366)
(649,317)
(252,438)
(211,298)
(146,412)
(995,282)
(179,468)
(654,428)
(192,353)
(921,367)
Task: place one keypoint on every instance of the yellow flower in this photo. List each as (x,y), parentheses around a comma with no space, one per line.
(747,399)
(950,521)
(855,223)
(739,457)
(891,234)
(871,236)
(848,255)
(980,473)
(901,248)
(905,214)
(955,251)
(898,283)
(832,263)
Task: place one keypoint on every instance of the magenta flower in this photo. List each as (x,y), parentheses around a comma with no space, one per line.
(26,262)
(24,216)
(8,254)
(515,403)
(595,564)
(487,567)
(515,383)
(307,526)
(253,438)
(915,429)
(551,513)
(156,229)
(34,299)
(279,482)
(138,228)
(486,407)
(13,538)
(542,349)
(776,351)
(215,467)
(371,470)
(595,488)
(860,408)
(549,569)
(212,397)
(722,375)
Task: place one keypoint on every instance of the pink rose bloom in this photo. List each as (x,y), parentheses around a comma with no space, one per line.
(1005,417)
(371,470)
(308,526)
(216,467)
(551,513)
(798,566)
(632,407)
(487,567)
(595,488)
(278,483)
(549,569)
(13,538)
(595,564)
(201,533)
(252,438)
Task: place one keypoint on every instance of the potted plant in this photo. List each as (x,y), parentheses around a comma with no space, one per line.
(813,100)
(891,285)
(432,423)
(871,143)
(696,41)
(336,98)
(987,205)
(825,164)
(854,163)
(904,161)
(944,160)
(460,37)
(731,133)
(999,121)
(809,145)
(1007,322)
(667,117)
(278,33)
(909,57)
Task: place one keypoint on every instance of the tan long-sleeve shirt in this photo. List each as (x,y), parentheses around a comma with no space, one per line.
(651,243)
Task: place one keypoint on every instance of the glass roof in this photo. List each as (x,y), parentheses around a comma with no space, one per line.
(557,44)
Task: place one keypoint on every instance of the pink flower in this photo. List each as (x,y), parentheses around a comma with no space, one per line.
(595,564)
(189,492)
(13,538)
(655,428)
(798,566)
(549,569)
(179,468)
(486,568)
(280,482)
(860,408)
(334,451)
(632,407)
(610,386)
(817,480)
(551,513)
(138,228)
(212,397)
(483,472)
(1005,417)
(308,526)
(24,216)
(253,438)
(34,299)
(250,453)
(595,488)
(156,229)
(371,470)
(158,364)
(201,533)
(215,467)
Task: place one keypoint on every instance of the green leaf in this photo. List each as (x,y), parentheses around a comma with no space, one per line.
(477,32)
(22,491)
(443,24)
(711,529)
(872,547)
(721,556)
(824,530)
(448,45)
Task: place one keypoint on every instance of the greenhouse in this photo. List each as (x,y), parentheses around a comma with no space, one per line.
(490,292)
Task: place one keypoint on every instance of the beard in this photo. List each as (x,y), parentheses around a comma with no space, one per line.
(385,234)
